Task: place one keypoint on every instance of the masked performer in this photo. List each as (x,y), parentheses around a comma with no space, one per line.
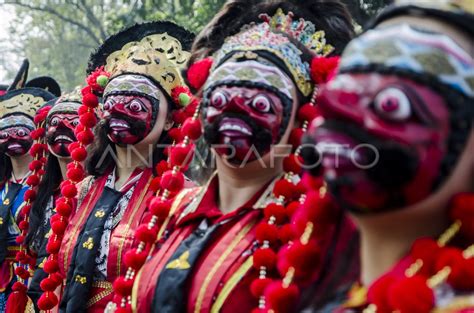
(221,255)
(61,120)
(17,110)
(138,72)
(403,104)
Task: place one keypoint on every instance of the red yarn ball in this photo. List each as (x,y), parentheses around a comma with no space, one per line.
(155,184)
(88,119)
(134,259)
(20,239)
(51,266)
(79,154)
(304,258)
(75,174)
(281,299)
(322,68)
(85,137)
(295,137)
(411,294)
(17,286)
(286,234)
(264,257)
(258,286)
(276,210)
(35,165)
(199,72)
(63,208)
(192,128)
(285,188)
(53,245)
(145,234)
(463,210)
(265,231)
(30,195)
(23,225)
(462,270)
(378,293)
(172,181)
(59,227)
(308,112)
(123,286)
(69,191)
(291,208)
(425,249)
(160,207)
(176,134)
(90,100)
(293,163)
(162,167)
(47,301)
(48,284)
(33,180)
(181,155)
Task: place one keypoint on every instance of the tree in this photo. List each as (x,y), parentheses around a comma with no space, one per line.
(59,35)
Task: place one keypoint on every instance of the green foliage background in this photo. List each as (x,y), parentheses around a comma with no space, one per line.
(58,35)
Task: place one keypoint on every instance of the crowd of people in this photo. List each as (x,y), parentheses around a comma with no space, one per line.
(275,162)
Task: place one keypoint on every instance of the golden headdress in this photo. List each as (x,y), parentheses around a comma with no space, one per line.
(155,50)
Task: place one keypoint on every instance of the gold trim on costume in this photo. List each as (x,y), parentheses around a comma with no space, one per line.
(108,290)
(217,265)
(230,285)
(127,227)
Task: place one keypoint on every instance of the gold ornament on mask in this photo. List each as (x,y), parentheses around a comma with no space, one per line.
(158,56)
(21,103)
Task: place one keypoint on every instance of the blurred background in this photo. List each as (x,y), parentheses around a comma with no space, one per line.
(58,35)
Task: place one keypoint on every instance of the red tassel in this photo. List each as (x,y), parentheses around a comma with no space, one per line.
(322,68)
(47,301)
(462,270)
(181,155)
(16,302)
(302,257)
(463,210)
(286,189)
(79,154)
(427,250)
(90,100)
(192,128)
(295,137)
(48,284)
(85,137)
(378,293)
(51,266)
(88,119)
(63,208)
(199,72)
(308,112)
(282,299)
(75,174)
(69,191)
(286,234)
(53,246)
(411,294)
(35,165)
(59,227)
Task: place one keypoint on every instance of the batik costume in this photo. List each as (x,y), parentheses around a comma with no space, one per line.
(406,91)
(139,64)
(216,262)
(17,110)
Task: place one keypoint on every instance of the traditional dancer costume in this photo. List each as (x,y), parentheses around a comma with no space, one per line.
(405,91)
(134,70)
(17,110)
(226,262)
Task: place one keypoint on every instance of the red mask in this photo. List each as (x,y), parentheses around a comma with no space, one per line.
(128,118)
(245,120)
(15,141)
(403,128)
(60,133)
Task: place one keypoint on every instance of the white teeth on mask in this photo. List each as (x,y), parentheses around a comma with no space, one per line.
(229,126)
(14,146)
(62,137)
(118,124)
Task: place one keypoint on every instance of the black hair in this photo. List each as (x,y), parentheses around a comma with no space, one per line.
(331,16)
(49,184)
(5,168)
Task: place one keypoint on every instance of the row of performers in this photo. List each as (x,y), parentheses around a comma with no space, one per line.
(316,188)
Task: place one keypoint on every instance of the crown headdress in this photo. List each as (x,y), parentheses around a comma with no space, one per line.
(302,30)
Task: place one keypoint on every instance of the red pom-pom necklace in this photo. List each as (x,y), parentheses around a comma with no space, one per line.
(74,174)
(26,262)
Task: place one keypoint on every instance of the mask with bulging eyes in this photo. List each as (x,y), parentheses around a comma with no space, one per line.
(15,135)
(128,119)
(60,132)
(383,140)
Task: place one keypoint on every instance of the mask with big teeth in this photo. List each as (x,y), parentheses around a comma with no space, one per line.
(15,135)
(128,119)
(244,115)
(383,141)
(60,133)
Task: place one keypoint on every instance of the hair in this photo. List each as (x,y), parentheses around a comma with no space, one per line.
(49,184)
(5,168)
(331,16)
